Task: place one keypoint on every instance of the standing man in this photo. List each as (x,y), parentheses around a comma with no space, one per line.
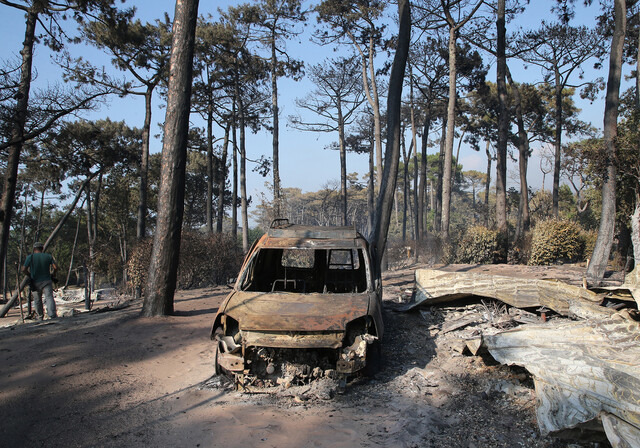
(37,266)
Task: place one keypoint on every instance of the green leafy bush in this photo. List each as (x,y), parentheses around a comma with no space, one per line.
(556,240)
(479,245)
(204,260)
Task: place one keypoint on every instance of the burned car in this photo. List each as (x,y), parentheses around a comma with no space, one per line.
(306,298)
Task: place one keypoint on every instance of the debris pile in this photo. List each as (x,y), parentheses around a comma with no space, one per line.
(285,368)
(585,371)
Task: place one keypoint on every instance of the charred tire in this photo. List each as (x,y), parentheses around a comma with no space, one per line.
(374,359)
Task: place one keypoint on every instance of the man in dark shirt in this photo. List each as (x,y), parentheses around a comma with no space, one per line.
(37,266)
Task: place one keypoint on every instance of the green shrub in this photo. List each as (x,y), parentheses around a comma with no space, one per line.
(556,240)
(479,245)
(204,260)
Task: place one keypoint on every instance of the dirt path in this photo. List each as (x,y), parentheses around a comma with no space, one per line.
(116,379)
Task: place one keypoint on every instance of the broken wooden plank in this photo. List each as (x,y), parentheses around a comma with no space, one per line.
(433,287)
(581,370)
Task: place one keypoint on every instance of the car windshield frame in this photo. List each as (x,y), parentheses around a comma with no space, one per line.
(303,280)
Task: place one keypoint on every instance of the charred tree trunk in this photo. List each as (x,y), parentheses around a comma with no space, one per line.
(73,251)
(440,180)
(487,184)
(370,191)
(88,270)
(210,169)
(524,220)
(343,164)
(243,180)
(234,181)
(222,179)
(416,217)
(600,257)
(277,199)
(414,145)
(17,132)
(40,211)
(144,166)
(555,194)
(392,152)
(423,175)
(405,185)
(503,126)
(448,147)
(635,236)
(163,270)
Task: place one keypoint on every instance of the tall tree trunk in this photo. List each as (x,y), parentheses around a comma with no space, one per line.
(343,165)
(423,174)
(87,270)
(141,229)
(211,171)
(17,132)
(440,180)
(414,145)
(163,270)
(416,217)
(370,86)
(405,186)
(277,199)
(370,191)
(91,242)
(392,152)
(524,220)
(635,218)
(487,185)
(4,279)
(635,236)
(503,126)
(374,101)
(222,178)
(73,251)
(600,257)
(36,237)
(234,180)
(558,148)
(243,180)
(448,152)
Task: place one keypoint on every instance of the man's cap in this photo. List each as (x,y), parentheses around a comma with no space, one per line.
(38,246)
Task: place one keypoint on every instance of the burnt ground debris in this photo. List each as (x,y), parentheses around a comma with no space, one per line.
(114,379)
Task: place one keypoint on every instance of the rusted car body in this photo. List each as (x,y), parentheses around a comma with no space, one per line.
(301,289)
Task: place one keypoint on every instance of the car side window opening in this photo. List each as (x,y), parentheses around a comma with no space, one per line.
(306,270)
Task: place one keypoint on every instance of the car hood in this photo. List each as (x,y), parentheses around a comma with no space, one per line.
(282,311)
